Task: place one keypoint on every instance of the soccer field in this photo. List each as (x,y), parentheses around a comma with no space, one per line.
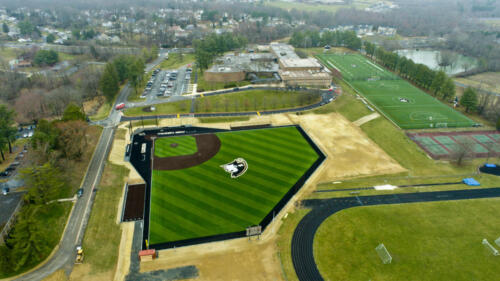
(406,105)
(427,241)
(204,200)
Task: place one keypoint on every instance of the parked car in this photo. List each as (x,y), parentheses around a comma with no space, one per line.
(79,192)
(4,174)
(5,190)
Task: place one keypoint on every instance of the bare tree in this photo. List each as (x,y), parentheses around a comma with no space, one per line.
(463,150)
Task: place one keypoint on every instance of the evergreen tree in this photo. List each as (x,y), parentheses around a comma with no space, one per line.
(50,38)
(7,128)
(469,99)
(448,89)
(5,28)
(438,82)
(29,246)
(109,82)
(73,113)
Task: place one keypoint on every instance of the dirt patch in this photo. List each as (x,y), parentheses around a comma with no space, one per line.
(174,145)
(208,145)
(350,153)
(248,260)
(134,205)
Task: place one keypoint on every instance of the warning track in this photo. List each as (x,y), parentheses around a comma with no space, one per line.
(303,237)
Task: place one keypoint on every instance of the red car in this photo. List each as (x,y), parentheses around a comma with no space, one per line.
(120,106)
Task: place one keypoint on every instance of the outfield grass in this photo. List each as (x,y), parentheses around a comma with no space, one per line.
(403,103)
(428,241)
(186,145)
(204,200)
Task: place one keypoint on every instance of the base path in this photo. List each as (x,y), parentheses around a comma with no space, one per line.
(303,237)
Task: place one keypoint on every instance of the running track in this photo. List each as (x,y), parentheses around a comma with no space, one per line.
(302,240)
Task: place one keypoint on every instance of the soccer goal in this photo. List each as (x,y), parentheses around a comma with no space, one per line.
(498,241)
(441,125)
(490,247)
(383,254)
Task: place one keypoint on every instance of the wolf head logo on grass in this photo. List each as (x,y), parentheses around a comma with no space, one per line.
(236,168)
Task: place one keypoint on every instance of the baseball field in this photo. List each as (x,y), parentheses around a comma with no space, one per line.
(404,104)
(192,196)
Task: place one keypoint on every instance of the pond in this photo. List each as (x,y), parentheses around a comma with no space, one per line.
(430,58)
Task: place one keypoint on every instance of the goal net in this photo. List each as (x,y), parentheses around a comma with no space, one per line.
(497,241)
(383,254)
(441,125)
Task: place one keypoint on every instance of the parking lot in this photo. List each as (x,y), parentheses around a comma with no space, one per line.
(167,83)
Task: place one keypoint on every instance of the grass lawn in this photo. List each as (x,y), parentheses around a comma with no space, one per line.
(252,100)
(489,81)
(102,112)
(163,108)
(175,61)
(223,119)
(204,200)
(102,237)
(403,103)
(175,146)
(428,241)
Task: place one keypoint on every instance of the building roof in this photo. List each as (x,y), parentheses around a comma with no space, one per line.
(297,62)
(283,51)
(304,74)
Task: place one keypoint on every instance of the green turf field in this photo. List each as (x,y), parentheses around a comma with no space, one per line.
(204,200)
(175,146)
(428,241)
(403,103)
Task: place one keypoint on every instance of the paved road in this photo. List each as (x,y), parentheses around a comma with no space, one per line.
(302,240)
(65,255)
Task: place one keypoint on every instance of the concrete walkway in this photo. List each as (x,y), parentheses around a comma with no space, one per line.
(366,119)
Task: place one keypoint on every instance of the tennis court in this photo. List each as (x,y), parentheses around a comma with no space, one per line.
(444,145)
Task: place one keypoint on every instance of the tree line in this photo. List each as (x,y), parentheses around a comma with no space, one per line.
(213,45)
(122,68)
(434,81)
(312,38)
(55,147)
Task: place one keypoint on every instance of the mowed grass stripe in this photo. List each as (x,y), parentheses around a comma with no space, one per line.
(264,169)
(280,164)
(207,193)
(186,146)
(201,212)
(161,201)
(167,223)
(207,189)
(246,185)
(279,146)
(170,225)
(222,189)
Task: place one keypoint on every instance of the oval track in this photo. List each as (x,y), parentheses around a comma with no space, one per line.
(303,236)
